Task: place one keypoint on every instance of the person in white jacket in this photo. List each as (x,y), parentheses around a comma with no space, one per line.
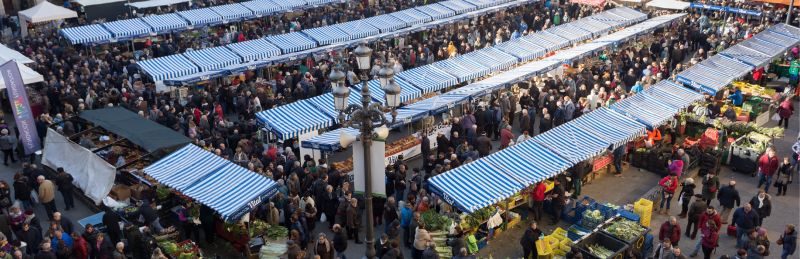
(525,136)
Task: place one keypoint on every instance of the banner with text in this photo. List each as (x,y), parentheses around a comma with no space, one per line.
(18,97)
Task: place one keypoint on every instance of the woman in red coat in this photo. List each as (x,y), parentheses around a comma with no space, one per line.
(710,239)
(668,186)
(80,248)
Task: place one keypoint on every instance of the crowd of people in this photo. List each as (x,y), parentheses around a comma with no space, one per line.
(221,118)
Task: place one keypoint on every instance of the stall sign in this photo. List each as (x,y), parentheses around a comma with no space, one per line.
(602,162)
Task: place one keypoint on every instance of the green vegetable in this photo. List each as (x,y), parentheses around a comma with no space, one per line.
(162,192)
(277,232)
(624,229)
(599,251)
(169,247)
(435,222)
(187,256)
(258,227)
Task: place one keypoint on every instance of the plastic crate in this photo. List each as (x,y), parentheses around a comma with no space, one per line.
(610,243)
(576,236)
(589,222)
(628,215)
(606,211)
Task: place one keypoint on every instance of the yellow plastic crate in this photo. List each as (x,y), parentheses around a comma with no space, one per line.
(544,249)
(643,208)
(549,185)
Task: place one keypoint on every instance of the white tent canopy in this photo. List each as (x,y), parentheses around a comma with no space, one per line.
(7,53)
(45,12)
(669,4)
(155,3)
(28,75)
(95,2)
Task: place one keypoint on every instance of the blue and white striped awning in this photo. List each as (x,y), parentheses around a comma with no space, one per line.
(385,22)
(289,4)
(594,26)
(706,80)
(500,59)
(612,19)
(436,11)
(165,22)
(329,141)
(483,3)
(233,12)
(94,33)
(672,94)
(126,29)
(475,185)
(572,54)
(546,40)
(317,3)
(357,29)
(476,68)
(761,46)
(629,14)
(785,30)
(325,103)
(616,129)
(645,109)
(197,77)
(476,90)
(522,49)
(747,55)
(254,49)
(227,188)
(777,39)
(571,33)
(168,67)
(407,91)
(246,66)
(528,162)
(294,119)
(405,116)
(459,6)
(523,72)
(201,17)
(262,7)
(462,73)
(411,16)
(327,35)
(292,42)
(428,78)
(727,65)
(571,142)
(438,104)
(213,58)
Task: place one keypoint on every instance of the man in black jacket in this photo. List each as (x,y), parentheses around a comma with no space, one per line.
(728,198)
(528,241)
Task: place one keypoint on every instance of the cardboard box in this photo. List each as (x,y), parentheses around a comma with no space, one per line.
(120,192)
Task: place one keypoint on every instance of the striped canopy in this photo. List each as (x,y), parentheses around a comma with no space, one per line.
(656,113)
(785,30)
(320,2)
(294,119)
(201,17)
(523,72)
(436,11)
(727,66)
(325,103)
(168,67)
(571,33)
(407,91)
(629,14)
(762,46)
(94,33)
(747,55)
(547,40)
(708,81)
(428,78)
(125,29)
(610,18)
(292,42)
(483,3)
(571,142)
(213,58)
(477,69)
(455,68)
(254,49)
(385,22)
(475,185)
(262,7)
(233,12)
(528,162)
(475,90)
(405,116)
(614,128)
(357,29)
(522,49)
(327,35)
(593,26)
(777,39)
(673,94)
(438,104)
(165,22)
(500,59)
(227,188)
(411,16)
(459,6)
(329,141)
(289,4)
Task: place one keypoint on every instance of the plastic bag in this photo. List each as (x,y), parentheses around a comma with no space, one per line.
(323,218)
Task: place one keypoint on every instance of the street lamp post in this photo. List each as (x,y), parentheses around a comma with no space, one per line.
(368,118)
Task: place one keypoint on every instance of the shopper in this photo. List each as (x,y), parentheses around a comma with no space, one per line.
(7,145)
(767,166)
(687,192)
(710,187)
(745,219)
(670,230)
(784,177)
(762,204)
(668,186)
(710,239)
(421,239)
(528,241)
(788,241)
(536,200)
(47,195)
(65,187)
(698,208)
(728,199)
(785,111)
(339,241)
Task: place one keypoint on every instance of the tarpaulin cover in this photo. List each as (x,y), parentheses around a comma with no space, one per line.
(571,142)
(292,42)
(225,187)
(254,49)
(529,162)
(438,104)
(428,78)
(213,58)
(645,109)
(168,67)
(475,185)
(408,92)
(165,22)
(329,141)
(140,131)
(294,119)
(90,172)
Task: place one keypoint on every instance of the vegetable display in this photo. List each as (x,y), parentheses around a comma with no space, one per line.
(258,228)
(169,247)
(624,229)
(435,222)
(235,228)
(477,218)
(277,232)
(599,251)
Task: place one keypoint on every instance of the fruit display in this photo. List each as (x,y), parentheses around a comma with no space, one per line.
(754,90)
(477,218)
(235,228)
(168,247)
(624,229)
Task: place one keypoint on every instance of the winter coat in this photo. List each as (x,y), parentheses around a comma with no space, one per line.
(789,242)
(768,165)
(705,217)
(421,239)
(669,231)
(710,238)
(669,184)
(339,241)
(764,210)
(710,187)
(728,197)
(484,145)
(745,220)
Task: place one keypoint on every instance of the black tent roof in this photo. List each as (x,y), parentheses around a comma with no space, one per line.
(140,131)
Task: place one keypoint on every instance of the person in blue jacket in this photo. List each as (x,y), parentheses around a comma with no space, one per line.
(736,97)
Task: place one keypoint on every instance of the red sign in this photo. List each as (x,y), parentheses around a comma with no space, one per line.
(602,162)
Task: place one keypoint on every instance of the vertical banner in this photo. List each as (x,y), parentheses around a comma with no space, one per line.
(18,97)
(377,168)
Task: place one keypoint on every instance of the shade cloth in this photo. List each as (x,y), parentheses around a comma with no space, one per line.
(459,70)
(7,53)
(385,22)
(571,33)
(262,7)
(548,41)
(411,16)
(475,185)
(294,119)
(86,34)
(428,78)
(329,141)
(166,22)
(357,29)
(232,12)
(140,131)
(438,104)
(785,30)
(292,42)
(254,49)
(522,49)
(45,12)
(29,76)
(528,162)
(227,188)
(125,29)
(459,6)
(201,17)
(213,58)
(616,129)
(706,80)
(436,11)
(645,109)
(673,94)
(571,142)
(747,55)
(168,67)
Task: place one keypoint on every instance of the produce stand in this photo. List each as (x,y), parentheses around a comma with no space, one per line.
(182,250)
(600,245)
(744,152)
(629,232)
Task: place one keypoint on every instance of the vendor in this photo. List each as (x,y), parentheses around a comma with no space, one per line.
(736,97)
(654,136)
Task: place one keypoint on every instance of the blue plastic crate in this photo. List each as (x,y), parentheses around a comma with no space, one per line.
(606,211)
(628,215)
(574,236)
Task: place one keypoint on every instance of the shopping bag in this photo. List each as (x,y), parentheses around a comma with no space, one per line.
(731,230)
(776,117)
(323,218)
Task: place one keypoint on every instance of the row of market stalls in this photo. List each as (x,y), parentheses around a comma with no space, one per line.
(152,25)
(490,180)
(29,76)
